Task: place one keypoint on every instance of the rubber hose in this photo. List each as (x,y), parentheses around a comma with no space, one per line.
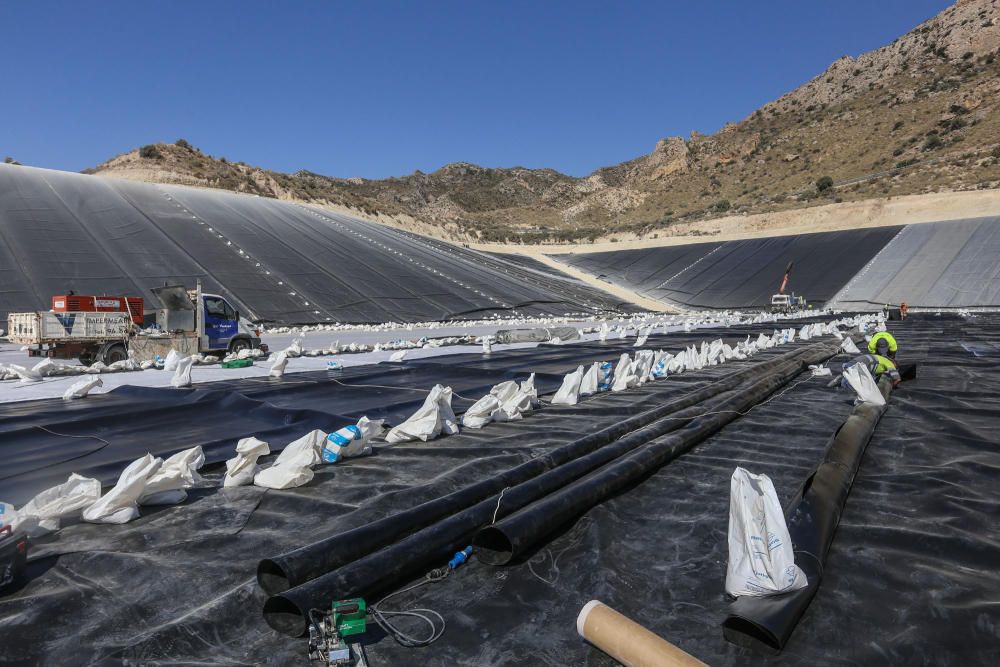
(766,623)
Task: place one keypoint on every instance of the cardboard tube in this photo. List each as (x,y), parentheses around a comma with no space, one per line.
(626,641)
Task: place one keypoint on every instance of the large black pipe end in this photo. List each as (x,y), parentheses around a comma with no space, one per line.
(493,547)
(744,632)
(272,577)
(285,616)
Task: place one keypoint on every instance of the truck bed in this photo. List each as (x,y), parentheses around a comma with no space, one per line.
(73,327)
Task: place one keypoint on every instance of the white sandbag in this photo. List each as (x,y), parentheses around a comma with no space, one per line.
(514,400)
(278,367)
(397,356)
(642,365)
(528,389)
(46,368)
(861,381)
(433,418)
(481,412)
(625,377)
(293,467)
(182,374)
(661,366)
(146,365)
(170,363)
(605,330)
(240,469)
(81,388)
(42,514)
(569,392)
(761,556)
(591,379)
(641,338)
(295,349)
(178,472)
(487,345)
(120,504)
(26,374)
(804,332)
(848,346)
(351,441)
(820,371)
(283,476)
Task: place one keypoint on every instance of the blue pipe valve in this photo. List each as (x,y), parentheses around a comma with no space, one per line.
(460,558)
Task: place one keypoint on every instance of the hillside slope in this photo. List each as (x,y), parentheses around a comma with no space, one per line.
(919,115)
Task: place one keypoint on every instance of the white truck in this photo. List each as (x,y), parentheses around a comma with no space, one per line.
(189,322)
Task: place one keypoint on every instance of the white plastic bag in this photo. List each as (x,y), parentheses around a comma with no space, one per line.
(569,392)
(848,346)
(41,514)
(178,472)
(278,367)
(182,374)
(434,417)
(120,504)
(81,388)
(863,384)
(240,469)
(351,440)
(761,557)
(820,371)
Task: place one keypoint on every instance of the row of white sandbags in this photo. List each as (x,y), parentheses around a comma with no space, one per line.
(653,366)
(146,481)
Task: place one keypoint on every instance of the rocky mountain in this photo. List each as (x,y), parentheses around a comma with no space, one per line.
(919,115)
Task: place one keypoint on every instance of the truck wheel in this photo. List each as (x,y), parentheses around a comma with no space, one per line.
(115,353)
(239,345)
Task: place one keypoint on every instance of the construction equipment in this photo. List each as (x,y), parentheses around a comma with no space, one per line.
(109,329)
(786,303)
(327,643)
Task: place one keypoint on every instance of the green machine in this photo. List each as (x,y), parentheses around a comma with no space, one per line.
(328,639)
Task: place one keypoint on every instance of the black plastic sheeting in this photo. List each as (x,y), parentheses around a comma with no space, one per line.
(910,578)
(276,261)
(739,274)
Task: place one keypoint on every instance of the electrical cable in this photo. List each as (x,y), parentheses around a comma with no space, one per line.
(382,617)
(62,461)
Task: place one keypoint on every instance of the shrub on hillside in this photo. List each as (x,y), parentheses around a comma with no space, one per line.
(931,142)
(150,152)
(182,143)
(824,183)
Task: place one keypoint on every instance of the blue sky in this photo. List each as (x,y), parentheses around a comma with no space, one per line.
(381,88)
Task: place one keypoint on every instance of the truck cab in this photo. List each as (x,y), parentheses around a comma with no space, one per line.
(223,328)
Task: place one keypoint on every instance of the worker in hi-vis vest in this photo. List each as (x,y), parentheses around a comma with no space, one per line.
(878,365)
(883,343)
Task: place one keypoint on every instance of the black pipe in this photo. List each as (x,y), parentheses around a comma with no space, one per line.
(507,539)
(766,623)
(419,551)
(293,568)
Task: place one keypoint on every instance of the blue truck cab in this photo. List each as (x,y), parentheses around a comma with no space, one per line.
(222,327)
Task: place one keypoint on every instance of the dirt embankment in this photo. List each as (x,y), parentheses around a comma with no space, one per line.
(883,212)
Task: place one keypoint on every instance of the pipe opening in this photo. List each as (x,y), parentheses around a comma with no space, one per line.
(493,546)
(285,616)
(746,633)
(272,577)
